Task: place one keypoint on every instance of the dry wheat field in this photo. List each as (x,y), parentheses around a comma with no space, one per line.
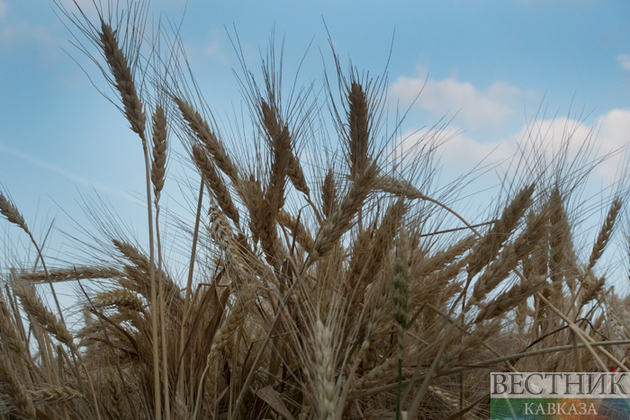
(338,286)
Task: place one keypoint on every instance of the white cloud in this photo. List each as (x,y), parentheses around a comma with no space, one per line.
(87,7)
(211,49)
(14,35)
(477,107)
(615,128)
(614,136)
(457,153)
(624,61)
(3,9)
(554,136)
(550,138)
(214,50)
(607,138)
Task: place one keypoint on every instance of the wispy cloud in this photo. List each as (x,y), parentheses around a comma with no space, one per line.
(624,61)
(3,9)
(14,35)
(78,179)
(477,107)
(211,49)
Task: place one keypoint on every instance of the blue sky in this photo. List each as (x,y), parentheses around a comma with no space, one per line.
(489,65)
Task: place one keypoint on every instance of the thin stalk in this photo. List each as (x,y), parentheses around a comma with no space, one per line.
(188,301)
(586,339)
(52,288)
(398,392)
(154,303)
(167,399)
(490,362)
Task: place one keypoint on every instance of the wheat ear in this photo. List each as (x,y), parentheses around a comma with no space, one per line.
(123,79)
(13,215)
(282,141)
(160,144)
(33,306)
(510,256)
(18,395)
(200,127)
(215,183)
(67,274)
(298,231)
(359,121)
(323,370)
(604,233)
(55,395)
(8,209)
(511,298)
(221,233)
(340,221)
(487,248)
(118,298)
(8,333)
(329,194)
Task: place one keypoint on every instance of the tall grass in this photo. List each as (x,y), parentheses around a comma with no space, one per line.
(343,289)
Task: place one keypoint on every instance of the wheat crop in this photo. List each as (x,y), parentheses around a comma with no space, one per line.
(317,287)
